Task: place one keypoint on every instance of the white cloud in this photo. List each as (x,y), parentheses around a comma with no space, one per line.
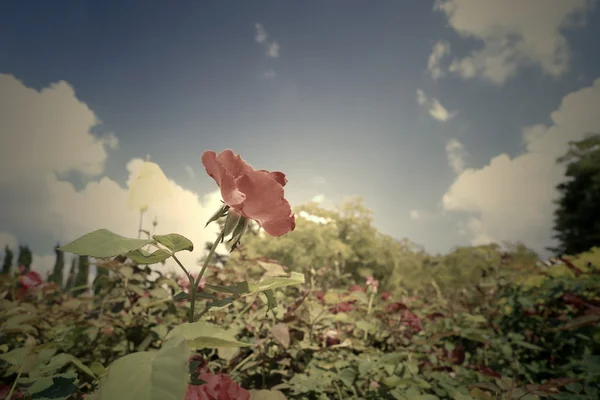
(262,37)
(190,172)
(435,109)
(49,133)
(512,198)
(440,49)
(514,33)
(111,141)
(313,218)
(270,74)
(439,112)
(415,214)
(318,198)
(260,34)
(51,122)
(456,155)
(273,50)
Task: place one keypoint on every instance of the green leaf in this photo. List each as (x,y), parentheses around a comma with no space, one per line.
(220,303)
(60,360)
(271,302)
(575,323)
(58,387)
(144,257)
(347,375)
(527,345)
(221,212)
(239,288)
(16,356)
(156,375)
(160,330)
(272,283)
(365,326)
(266,395)
(180,296)
(103,244)
(174,242)
(202,335)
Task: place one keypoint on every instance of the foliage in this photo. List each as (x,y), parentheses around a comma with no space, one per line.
(516,333)
(59,266)
(25,257)
(577,216)
(7,262)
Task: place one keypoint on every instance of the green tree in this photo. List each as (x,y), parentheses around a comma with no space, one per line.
(72,274)
(577,216)
(341,242)
(83,269)
(8,259)
(25,258)
(59,266)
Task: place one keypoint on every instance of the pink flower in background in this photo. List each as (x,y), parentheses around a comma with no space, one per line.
(357,288)
(374,283)
(255,194)
(31,279)
(217,387)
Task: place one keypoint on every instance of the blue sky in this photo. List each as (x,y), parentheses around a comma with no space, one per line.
(346,100)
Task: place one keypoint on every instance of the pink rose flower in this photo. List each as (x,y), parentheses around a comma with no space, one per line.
(372,282)
(217,387)
(255,194)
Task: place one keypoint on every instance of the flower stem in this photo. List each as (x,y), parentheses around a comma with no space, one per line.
(197,282)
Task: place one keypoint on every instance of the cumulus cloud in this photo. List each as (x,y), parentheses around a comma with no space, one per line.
(435,109)
(260,34)
(456,155)
(440,49)
(439,112)
(273,50)
(314,218)
(49,132)
(111,141)
(511,199)
(262,37)
(54,124)
(514,33)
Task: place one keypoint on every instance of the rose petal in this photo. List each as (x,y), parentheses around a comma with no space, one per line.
(265,203)
(215,169)
(278,176)
(233,164)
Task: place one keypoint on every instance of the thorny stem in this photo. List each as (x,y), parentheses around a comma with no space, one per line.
(197,282)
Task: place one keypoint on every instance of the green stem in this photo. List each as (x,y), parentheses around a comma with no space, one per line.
(245,309)
(14,386)
(197,282)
